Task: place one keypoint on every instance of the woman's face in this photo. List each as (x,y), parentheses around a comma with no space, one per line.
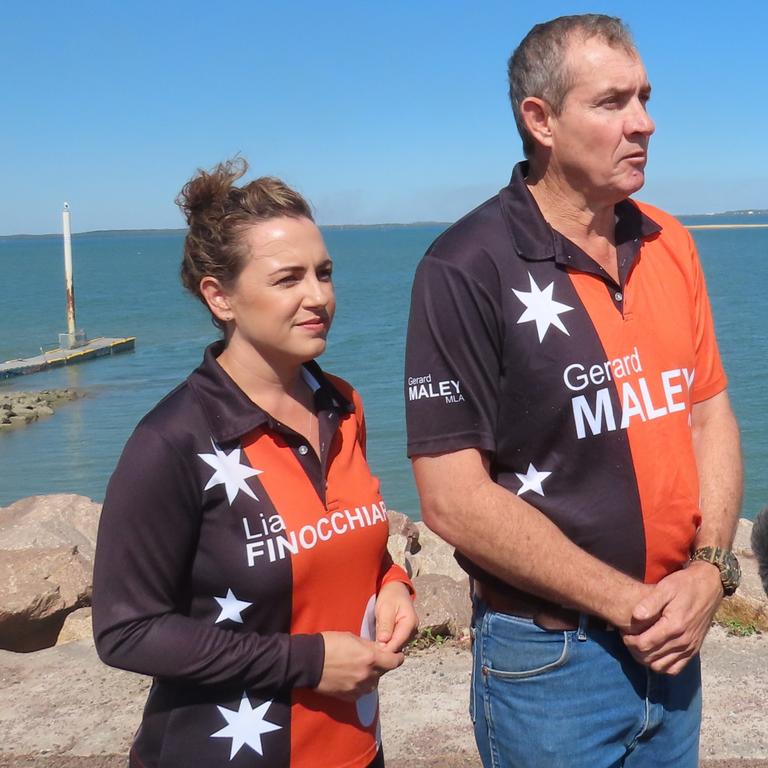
(283,301)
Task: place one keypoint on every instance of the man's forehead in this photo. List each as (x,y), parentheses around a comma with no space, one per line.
(596,62)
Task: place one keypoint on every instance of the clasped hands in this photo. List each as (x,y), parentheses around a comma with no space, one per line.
(353,665)
(670,620)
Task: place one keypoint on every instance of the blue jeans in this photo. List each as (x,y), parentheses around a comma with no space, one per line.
(545,699)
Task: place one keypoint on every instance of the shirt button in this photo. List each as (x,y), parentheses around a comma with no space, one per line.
(303,450)
(618,296)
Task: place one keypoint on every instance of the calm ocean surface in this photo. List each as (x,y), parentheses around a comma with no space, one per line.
(127,285)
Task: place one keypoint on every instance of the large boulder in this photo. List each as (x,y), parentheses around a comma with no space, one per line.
(77,626)
(443,605)
(47,546)
(61,519)
(433,556)
(38,588)
(403,539)
(748,608)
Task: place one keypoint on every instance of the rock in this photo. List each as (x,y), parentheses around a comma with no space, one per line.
(742,545)
(748,607)
(38,588)
(398,549)
(57,520)
(402,525)
(77,626)
(47,546)
(443,605)
(403,539)
(20,408)
(434,556)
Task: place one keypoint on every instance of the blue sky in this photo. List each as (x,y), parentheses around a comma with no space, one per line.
(376,111)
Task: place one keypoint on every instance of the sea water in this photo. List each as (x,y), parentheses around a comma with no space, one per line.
(126,284)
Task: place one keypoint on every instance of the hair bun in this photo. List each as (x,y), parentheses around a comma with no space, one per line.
(205,196)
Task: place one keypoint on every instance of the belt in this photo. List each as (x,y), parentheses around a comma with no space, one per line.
(543,613)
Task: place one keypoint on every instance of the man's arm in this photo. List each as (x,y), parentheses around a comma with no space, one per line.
(686,601)
(511,539)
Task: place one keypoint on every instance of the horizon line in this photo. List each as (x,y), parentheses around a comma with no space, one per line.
(425,223)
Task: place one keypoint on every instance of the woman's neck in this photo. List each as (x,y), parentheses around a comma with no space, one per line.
(281,391)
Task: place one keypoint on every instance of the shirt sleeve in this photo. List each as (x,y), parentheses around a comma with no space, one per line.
(453,359)
(388,570)
(146,542)
(710,378)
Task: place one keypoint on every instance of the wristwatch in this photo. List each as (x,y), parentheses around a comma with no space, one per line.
(728,565)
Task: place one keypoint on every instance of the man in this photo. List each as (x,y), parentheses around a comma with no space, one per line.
(570,429)
(760,545)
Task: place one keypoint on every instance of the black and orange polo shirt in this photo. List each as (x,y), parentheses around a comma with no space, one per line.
(225,546)
(577,387)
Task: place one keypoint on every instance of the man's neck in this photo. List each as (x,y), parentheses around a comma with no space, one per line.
(570,213)
(589,225)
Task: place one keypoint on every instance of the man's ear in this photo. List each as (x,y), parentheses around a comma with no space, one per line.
(216,298)
(537,116)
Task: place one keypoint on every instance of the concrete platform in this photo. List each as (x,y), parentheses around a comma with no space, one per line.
(99,347)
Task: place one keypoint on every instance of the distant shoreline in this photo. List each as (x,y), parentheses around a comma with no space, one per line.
(139,232)
(330,227)
(726,226)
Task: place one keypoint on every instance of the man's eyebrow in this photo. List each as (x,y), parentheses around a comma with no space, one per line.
(613,90)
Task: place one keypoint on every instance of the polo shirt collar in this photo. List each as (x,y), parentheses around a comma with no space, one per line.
(535,240)
(230,413)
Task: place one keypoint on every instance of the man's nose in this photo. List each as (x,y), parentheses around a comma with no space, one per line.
(640,121)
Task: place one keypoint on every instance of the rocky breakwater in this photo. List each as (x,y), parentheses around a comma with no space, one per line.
(20,408)
(47,546)
(46,558)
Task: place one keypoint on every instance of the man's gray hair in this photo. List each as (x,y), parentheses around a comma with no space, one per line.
(538,65)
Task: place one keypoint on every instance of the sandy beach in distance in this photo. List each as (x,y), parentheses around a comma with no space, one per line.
(726,226)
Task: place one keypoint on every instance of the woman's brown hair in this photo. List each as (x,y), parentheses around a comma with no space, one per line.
(217,212)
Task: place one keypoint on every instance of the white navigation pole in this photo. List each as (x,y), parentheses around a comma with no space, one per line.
(72,338)
(68,271)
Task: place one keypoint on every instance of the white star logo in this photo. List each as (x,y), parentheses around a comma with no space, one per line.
(542,308)
(246,726)
(231,607)
(229,472)
(532,480)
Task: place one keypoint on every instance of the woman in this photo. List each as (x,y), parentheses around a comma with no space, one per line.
(241,558)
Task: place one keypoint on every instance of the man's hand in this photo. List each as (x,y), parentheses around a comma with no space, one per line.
(396,619)
(681,607)
(353,665)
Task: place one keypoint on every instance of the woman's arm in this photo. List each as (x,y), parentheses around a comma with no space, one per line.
(147,538)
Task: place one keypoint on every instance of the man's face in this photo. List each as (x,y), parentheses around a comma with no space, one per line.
(600,139)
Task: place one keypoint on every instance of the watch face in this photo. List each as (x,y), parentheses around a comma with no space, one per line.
(730,572)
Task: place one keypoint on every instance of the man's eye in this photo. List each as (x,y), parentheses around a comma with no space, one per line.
(325,274)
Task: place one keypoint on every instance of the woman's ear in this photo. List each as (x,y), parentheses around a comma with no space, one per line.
(216,298)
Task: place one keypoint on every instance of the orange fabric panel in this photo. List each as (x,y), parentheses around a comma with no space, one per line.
(335,552)
(661,357)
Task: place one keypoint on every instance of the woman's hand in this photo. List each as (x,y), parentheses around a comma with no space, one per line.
(396,619)
(353,665)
